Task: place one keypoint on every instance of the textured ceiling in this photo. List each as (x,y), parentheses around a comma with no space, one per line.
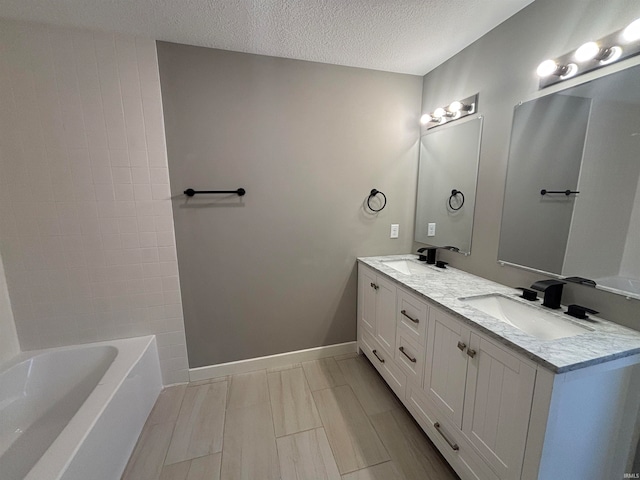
(407,36)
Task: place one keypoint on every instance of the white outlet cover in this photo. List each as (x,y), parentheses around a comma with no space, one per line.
(395,230)
(431,230)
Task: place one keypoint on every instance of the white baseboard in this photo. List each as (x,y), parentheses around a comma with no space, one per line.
(270,361)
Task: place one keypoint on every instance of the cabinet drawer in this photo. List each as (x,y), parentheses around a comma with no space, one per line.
(411,316)
(446,437)
(410,357)
(384,363)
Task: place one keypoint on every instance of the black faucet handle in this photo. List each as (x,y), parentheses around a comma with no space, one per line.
(578,311)
(528,294)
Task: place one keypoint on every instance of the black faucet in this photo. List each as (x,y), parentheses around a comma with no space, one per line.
(430,257)
(552,292)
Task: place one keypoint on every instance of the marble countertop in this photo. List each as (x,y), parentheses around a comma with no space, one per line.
(605,342)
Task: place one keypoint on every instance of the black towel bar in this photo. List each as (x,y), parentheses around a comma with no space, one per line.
(190,192)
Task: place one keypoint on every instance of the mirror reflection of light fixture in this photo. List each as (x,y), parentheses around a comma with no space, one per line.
(453,111)
(592,55)
(632,32)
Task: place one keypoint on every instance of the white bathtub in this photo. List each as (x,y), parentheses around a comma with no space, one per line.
(75,413)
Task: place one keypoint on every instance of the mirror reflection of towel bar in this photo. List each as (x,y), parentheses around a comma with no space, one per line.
(565,192)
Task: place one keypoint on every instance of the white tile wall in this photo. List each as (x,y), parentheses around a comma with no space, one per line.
(86,228)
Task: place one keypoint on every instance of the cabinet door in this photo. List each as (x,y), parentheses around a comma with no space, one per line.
(367,299)
(497,407)
(446,368)
(386,315)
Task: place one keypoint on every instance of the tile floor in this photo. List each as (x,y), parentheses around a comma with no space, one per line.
(327,419)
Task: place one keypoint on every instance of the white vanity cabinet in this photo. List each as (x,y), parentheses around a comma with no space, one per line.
(494,412)
(470,393)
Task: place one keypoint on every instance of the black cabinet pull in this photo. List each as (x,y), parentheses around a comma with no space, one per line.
(451,444)
(414,320)
(462,346)
(375,352)
(412,359)
(471,353)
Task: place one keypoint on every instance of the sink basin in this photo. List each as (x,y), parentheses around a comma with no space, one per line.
(535,321)
(408,267)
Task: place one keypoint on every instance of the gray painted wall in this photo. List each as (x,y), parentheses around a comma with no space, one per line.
(501,66)
(275,271)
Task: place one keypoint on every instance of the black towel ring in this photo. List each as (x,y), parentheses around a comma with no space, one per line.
(373,193)
(454,193)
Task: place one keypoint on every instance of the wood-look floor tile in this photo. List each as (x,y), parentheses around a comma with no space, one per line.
(411,451)
(201,468)
(248,389)
(167,405)
(345,356)
(353,440)
(292,404)
(323,373)
(175,471)
(384,471)
(200,423)
(373,393)
(250,445)
(147,458)
(208,380)
(307,456)
(284,367)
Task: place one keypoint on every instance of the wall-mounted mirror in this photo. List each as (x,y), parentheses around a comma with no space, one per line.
(448,172)
(584,140)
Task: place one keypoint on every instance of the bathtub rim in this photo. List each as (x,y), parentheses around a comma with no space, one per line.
(57,458)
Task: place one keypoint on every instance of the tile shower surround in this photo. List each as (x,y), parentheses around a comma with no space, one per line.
(86,228)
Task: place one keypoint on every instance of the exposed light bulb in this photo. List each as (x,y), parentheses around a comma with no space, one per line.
(547,68)
(439,113)
(632,32)
(455,107)
(426,118)
(587,52)
(569,71)
(613,55)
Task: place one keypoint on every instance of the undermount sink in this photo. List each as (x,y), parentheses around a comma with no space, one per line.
(530,319)
(408,267)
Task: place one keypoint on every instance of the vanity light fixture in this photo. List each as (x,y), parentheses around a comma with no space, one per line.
(589,56)
(453,111)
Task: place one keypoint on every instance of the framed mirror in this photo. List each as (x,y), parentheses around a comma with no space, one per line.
(449,157)
(572,195)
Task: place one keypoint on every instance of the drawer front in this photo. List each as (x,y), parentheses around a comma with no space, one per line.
(392,374)
(410,357)
(411,316)
(447,438)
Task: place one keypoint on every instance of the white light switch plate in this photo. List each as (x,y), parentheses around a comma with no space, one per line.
(431,230)
(395,229)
